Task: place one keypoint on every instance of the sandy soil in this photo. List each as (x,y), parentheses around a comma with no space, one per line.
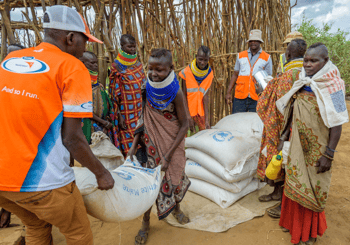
(262,231)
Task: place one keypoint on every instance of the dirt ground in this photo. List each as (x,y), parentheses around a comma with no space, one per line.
(263,230)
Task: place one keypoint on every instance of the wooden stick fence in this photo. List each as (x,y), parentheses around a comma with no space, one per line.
(180,26)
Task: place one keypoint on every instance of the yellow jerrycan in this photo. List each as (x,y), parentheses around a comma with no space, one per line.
(274,167)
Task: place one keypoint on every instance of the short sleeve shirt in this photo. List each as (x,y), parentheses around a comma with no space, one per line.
(38,87)
(253,59)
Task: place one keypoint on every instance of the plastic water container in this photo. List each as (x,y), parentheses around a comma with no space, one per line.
(274,167)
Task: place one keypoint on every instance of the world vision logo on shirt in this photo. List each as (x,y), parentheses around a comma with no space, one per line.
(87,106)
(25,65)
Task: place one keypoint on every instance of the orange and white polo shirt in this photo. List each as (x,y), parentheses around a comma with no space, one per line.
(38,87)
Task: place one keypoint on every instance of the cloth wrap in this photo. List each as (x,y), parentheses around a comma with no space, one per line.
(329,89)
(159,130)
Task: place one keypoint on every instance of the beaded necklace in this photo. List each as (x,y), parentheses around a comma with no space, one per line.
(93,76)
(199,74)
(161,94)
(124,59)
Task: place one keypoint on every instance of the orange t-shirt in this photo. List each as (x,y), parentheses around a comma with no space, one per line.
(38,87)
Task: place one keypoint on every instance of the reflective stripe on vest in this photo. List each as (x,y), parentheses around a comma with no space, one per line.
(282,60)
(193,90)
(245,83)
(196,92)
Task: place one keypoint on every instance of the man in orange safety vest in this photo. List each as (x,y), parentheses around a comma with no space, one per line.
(248,63)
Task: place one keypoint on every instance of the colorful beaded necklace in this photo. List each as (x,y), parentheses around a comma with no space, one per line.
(161,94)
(124,60)
(93,76)
(199,74)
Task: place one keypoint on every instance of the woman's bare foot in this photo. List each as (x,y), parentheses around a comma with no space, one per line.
(142,236)
(180,216)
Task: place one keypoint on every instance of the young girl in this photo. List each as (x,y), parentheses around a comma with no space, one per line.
(162,128)
(126,78)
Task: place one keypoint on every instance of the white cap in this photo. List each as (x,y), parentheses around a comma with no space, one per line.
(64,18)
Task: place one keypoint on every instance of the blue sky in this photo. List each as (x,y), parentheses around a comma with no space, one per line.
(323,11)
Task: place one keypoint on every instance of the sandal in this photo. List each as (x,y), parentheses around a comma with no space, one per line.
(268,198)
(142,236)
(310,242)
(275,212)
(181,217)
(284,229)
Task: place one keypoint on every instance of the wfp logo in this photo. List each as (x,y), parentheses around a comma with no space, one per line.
(221,136)
(25,65)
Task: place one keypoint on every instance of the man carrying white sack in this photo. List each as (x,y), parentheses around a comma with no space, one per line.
(47,91)
(314,111)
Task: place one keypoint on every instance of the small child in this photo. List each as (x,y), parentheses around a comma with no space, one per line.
(198,77)
(162,127)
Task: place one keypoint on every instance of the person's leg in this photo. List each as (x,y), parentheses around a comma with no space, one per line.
(233,106)
(276,195)
(38,232)
(252,105)
(239,105)
(200,122)
(141,237)
(180,216)
(77,231)
(64,208)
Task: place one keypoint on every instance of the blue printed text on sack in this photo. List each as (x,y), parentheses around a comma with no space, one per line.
(131,191)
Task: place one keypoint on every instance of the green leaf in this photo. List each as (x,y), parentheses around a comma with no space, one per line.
(337,44)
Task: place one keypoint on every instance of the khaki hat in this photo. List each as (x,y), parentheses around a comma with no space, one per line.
(255,35)
(293,35)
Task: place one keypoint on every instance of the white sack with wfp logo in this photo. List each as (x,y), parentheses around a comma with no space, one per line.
(195,170)
(242,171)
(247,123)
(229,148)
(134,192)
(220,196)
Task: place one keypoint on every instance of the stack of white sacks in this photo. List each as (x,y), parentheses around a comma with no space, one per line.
(222,161)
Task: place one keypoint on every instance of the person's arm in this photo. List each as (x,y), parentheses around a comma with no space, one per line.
(74,140)
(324,164)
(190,119)
(115,93)
(268,67)
(231,86)
(121,120)
(133,148)
(287,130)
(182,116)
(105,123)
(206,109)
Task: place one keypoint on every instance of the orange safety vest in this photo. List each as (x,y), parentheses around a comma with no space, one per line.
(245,82)
(195,91)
